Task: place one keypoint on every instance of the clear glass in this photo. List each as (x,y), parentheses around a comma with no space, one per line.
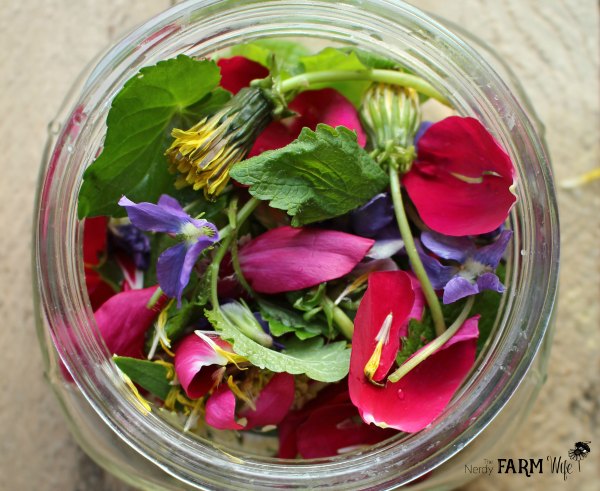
(148,452)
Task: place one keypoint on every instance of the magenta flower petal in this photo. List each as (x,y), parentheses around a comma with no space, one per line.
(286,258)
(196,364)
(419,397)
(273,402)
(124,319)
(313,107)
(237,72)
(388,292)
(156,218)
(461,180)
(334,429)
(220,410)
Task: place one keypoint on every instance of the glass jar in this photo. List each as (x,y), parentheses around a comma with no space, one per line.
(149,452)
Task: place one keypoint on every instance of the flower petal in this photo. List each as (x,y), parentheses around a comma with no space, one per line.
(94,239)
(373,216)
(156,218)
(419,397)
(455,248)
(457,288)
(237,72)
(174,266)
(313,106)
(286,258)
(196,363)
(334,429)
(489,281)
(388,292)
(461,181)
(98,290)
(491,254)
(438,274)
(220,410)
(124,319)
(273,402)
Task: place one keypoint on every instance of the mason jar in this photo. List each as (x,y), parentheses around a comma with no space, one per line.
(149,452)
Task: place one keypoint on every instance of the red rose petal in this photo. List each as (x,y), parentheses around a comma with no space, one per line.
(273,402)
(461,180)
(286,258)
(237,72)
(220,410)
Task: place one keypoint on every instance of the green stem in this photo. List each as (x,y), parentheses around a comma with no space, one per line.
(413,255)
(235,260)
(341,320)
(434,345)
(226,238)
(306,80)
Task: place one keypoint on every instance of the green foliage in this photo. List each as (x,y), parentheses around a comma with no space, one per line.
(319,361)
(149,375)
(282,321)
(322,174)
(176,92)
(285,52)
(419,334)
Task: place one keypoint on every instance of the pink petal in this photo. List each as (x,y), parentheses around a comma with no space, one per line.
(220,410)
(196,363)
(418,398)
(387,292)
(419,305)
(124,319)
(313,107)
(331,429)
(273,402)
(286,258)
(237,72)
(449,204)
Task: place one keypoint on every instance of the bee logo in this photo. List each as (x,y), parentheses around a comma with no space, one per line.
(581,451)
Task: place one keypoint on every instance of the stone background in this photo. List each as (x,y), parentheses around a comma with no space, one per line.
(553,46)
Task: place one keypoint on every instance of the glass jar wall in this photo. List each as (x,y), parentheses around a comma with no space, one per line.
(148,451)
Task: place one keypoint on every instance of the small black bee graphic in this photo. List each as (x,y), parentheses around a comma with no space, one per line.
(581,451)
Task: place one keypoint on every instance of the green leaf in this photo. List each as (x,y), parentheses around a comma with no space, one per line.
(371,60)
(320,175)
(334,59)
(147,374)
(319,361)
(419,334)
(287,53)
(282,321)
(139,124)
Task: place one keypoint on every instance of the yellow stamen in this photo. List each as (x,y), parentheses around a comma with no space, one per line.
(381,338)
(357,283)
(169,366)
(144,403)
(240,395)
(228,355)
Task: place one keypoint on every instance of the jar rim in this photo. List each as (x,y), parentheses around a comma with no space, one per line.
(436,54)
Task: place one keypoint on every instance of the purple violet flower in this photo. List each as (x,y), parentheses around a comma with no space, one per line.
(132,241)
(475,269)
(376,220)
(175,264)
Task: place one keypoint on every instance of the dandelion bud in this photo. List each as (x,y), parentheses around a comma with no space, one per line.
(204,154)
(391,115)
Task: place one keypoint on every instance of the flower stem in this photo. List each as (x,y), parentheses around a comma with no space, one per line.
(235,260)
(226,238)
(341,320)
(413,255)
(434,345)
(306,80)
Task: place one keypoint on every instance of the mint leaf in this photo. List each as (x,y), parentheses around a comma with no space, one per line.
(419,334)
(320,175)
(282,321)
(147,374)
(334,59)
(287,53)
(319,361)
(371,60)
(139,124)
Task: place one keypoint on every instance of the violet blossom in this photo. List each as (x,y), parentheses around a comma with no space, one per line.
(174,265)
(471,268)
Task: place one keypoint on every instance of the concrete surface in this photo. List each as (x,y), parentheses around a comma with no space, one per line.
(553,46)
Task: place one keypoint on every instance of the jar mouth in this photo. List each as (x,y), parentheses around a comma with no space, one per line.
(424,46)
